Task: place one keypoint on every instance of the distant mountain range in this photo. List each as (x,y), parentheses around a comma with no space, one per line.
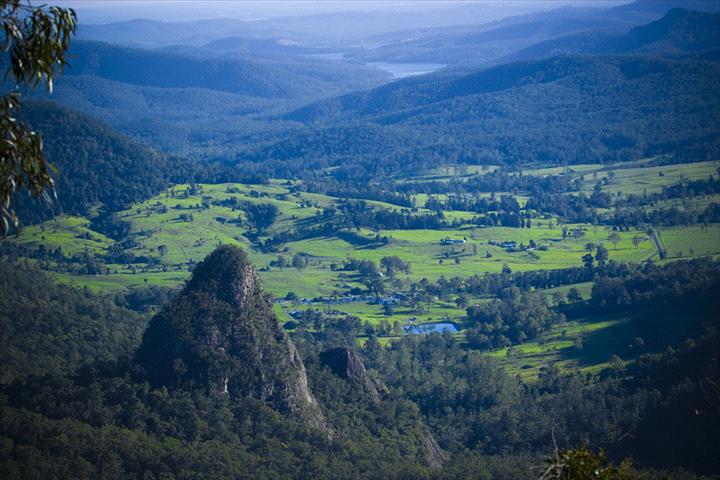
(193,102)
(678,32)
(330,29)
(492,42)
(254,77)
(652,90)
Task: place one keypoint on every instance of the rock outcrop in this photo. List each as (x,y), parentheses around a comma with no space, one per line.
(347,365)
(221,334)
(436,457)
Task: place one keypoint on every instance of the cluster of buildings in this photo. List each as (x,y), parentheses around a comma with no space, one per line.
(510,245)
(452,241)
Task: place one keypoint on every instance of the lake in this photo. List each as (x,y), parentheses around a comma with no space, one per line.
(424,328)
(397,70)
(402,70)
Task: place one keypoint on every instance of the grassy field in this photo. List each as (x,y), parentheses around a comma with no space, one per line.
(651,179)
(72,234)
(436,312)
(691,241)
(633,177)
(159,231)
(587,344)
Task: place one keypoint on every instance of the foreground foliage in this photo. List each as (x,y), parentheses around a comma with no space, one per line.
(36,39)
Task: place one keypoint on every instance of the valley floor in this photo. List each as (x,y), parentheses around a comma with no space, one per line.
(169,233)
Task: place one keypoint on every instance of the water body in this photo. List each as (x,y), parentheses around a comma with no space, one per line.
(329,56)
(402,70)
(425,328)
(397,70)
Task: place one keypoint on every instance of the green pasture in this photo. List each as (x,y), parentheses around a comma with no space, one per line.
(374,314)
(448,172)
(691,241)
(586,344)
(158,232)
(585,289)
(72,234)
(650,179)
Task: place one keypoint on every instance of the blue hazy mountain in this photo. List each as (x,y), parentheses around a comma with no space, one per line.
(255,77)
(680,31)
(490,42)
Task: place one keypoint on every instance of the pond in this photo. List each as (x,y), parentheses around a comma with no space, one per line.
(438,327)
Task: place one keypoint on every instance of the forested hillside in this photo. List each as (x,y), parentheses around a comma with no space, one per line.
(46,328)
(679,32)
(198,102)
(562,110)
(281,78)
(249,109)
(97,167)
(485,44)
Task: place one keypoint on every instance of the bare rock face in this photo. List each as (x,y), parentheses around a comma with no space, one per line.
(221,334)
(436,457)
(347,365)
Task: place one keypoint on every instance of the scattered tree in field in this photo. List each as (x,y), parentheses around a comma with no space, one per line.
(462,301)
(368,268)
(300,262)
(260,216)
(375,285)
(601,255)
(615,362)
(394,264)
(573,295)
(578,233)
(614,237)
(397,328)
